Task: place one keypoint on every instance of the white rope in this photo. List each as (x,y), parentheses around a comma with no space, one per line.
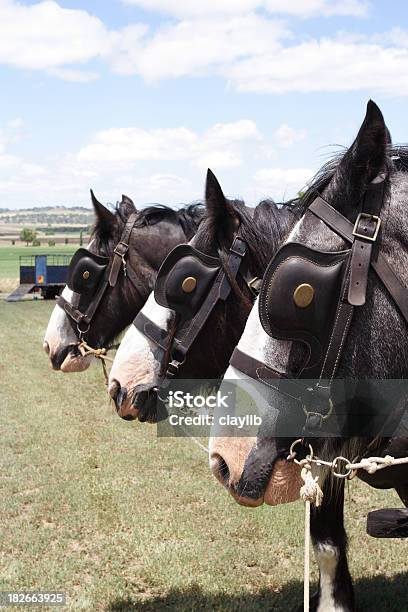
(310,493)
(199,444)
(306,573)
(196,442)
(373,464)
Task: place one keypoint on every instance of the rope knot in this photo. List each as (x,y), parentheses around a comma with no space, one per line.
(310,491)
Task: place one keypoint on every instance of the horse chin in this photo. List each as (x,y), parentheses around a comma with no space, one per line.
(247,501)
(284,484)
(76,363)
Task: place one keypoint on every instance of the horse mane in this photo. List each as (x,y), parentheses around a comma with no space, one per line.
(187,216)
(397,161)
(263,228)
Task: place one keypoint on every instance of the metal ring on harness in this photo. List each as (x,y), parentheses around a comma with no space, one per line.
(82,332)
(292,453)
(335,466)
(323,417)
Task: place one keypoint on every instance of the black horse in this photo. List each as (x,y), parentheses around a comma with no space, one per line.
(371,350)
(136,372)
(156,230)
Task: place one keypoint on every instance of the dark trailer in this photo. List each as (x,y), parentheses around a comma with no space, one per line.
(44,273)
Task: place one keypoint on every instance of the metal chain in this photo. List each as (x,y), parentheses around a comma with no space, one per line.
(370,464)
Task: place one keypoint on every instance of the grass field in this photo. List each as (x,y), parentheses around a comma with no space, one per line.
(121,520)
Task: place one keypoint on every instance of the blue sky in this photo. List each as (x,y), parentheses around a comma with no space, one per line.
(141,96)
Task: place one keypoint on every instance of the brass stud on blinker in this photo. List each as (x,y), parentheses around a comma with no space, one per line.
(85,275)
(303,295)
(189,284)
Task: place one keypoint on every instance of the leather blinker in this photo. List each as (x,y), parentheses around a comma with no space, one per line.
(86,271)
(184,279)
(300,294)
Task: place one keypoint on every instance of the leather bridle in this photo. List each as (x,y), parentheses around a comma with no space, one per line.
(365,254)
(83,319)
(177,343)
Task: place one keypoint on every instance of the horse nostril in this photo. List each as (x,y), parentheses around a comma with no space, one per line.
(220,468)
(121,397)
(46,347)
(114,388)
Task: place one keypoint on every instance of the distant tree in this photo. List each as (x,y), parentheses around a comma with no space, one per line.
(66,240)
(13,242)
(81,238)
(51,243)
(36,242)
(27,235)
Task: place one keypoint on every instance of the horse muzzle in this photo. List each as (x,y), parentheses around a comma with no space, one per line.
(144,406)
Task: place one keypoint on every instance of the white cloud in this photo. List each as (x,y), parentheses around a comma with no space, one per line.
(313,8)
(200,47)
(11,133)
(220,146)
(324,65)
(253,51)
(45,35)
(281,183)
(166,165)
(287,136)
(70,74)
(301,8)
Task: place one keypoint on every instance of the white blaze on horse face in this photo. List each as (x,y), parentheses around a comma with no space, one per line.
(138,360)
(226,442)
(255,341)
(60,335)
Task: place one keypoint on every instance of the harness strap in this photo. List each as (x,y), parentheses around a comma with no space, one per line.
(252,367)
(152,331)
(365,234)
(344,228)
(121,250)
(220,290)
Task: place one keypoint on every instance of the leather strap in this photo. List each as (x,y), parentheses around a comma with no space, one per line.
(365,234)
(181,344)
(342,226)
(219,291)
(152,331)
(253,368)
(120,251)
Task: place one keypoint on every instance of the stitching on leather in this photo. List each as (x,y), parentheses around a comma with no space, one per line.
(345,331)
(331,340)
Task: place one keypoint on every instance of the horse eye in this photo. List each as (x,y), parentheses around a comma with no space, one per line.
(85,275)
(189,284)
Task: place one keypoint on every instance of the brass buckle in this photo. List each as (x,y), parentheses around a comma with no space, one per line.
(251,285)
(364,236)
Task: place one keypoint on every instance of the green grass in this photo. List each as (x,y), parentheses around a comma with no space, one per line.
(9,256)
(121,520)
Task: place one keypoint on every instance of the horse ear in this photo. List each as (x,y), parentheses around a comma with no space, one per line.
(369,150)
(364,160)
(105,219)
(219,210)
(128,205)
